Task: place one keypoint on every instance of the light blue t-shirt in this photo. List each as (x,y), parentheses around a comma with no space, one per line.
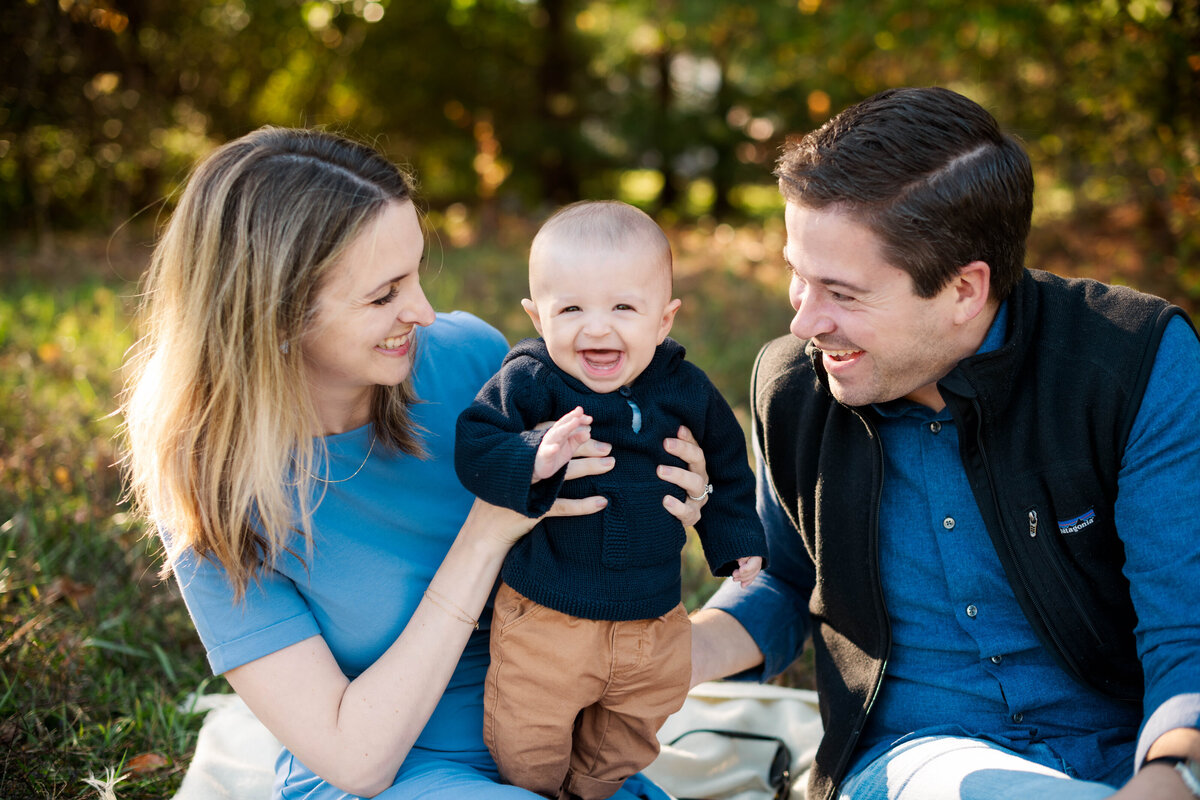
(378,539)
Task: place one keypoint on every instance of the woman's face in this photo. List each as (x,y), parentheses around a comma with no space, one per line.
(366,314)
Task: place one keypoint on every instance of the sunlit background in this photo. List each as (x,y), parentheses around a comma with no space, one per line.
(504,109)
(513,106)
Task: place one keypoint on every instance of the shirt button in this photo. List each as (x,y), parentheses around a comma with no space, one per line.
(948,523)
(997,659)
(972,611)
(935,427)
(1018,717)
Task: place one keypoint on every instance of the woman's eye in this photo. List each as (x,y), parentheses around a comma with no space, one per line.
(387,298)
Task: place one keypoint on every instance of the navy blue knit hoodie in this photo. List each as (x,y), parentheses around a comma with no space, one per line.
(623,562)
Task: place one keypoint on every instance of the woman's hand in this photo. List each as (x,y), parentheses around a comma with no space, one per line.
(693,480)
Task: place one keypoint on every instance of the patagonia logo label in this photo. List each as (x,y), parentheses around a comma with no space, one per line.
(1079,523)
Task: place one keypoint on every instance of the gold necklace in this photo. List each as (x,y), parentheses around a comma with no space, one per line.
(360,466)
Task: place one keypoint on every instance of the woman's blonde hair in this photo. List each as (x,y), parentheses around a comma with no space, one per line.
(219,422)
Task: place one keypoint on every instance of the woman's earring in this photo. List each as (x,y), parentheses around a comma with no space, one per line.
(283,348)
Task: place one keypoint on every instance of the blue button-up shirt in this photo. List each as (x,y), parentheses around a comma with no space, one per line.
(964,659)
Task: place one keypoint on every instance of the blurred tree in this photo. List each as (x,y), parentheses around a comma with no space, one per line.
(526,104)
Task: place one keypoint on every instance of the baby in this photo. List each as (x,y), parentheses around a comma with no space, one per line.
(591,646)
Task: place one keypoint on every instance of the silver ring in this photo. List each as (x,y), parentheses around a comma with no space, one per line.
(707,491)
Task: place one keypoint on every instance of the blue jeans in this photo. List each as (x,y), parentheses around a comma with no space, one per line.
(958,768)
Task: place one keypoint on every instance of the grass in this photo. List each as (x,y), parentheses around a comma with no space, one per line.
(97,655)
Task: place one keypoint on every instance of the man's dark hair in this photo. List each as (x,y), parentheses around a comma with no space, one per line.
(931,174)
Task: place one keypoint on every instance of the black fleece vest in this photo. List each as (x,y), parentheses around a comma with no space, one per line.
(1043,422)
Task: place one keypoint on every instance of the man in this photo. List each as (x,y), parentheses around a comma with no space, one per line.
(980,484)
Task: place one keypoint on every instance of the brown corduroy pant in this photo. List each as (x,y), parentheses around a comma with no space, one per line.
(572,706)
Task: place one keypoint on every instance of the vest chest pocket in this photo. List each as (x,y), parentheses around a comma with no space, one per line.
(1065,522)
(1071,515)
(1066,531)
(637,530)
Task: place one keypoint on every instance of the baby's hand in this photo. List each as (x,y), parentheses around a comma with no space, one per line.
(747,570)
(560,443)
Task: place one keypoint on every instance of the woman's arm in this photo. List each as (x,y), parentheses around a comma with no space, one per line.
(356,733)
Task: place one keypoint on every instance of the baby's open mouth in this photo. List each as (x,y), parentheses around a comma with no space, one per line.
(601,361)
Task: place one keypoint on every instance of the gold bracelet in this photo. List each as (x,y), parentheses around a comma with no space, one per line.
(434,598)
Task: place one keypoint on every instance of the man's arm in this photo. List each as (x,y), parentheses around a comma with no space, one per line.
(758,630)
(1160,781)
(720,646)
(1156,515)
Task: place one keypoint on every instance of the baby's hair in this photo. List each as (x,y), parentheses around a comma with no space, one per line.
(603,224)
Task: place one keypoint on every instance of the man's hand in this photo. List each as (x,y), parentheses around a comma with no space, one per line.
(1155,782)
(1161,781)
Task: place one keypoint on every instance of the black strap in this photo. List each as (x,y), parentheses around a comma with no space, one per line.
(779,774)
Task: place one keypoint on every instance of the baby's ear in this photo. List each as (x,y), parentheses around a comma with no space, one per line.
(532,310)
(668,319)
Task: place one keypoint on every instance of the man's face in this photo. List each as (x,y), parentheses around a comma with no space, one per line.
(879,340)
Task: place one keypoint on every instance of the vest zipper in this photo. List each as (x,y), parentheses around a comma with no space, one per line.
(1012,555)
(887,620)
(849,749)
(879,581)
(1059,573)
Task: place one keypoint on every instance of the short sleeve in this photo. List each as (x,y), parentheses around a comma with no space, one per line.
(272,614)
(380,536)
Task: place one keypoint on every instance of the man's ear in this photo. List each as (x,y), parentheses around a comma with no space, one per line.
(668,319)
(532,310)
(972,287)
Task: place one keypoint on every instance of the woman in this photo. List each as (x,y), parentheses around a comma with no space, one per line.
(290,416)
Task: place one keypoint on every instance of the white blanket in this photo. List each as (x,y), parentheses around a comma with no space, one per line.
(235,754)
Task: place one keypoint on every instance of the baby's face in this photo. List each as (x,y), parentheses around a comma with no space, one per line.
(602,314)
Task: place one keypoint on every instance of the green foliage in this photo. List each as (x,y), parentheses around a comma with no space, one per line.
(505,108)
(522,105)
(98,656)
